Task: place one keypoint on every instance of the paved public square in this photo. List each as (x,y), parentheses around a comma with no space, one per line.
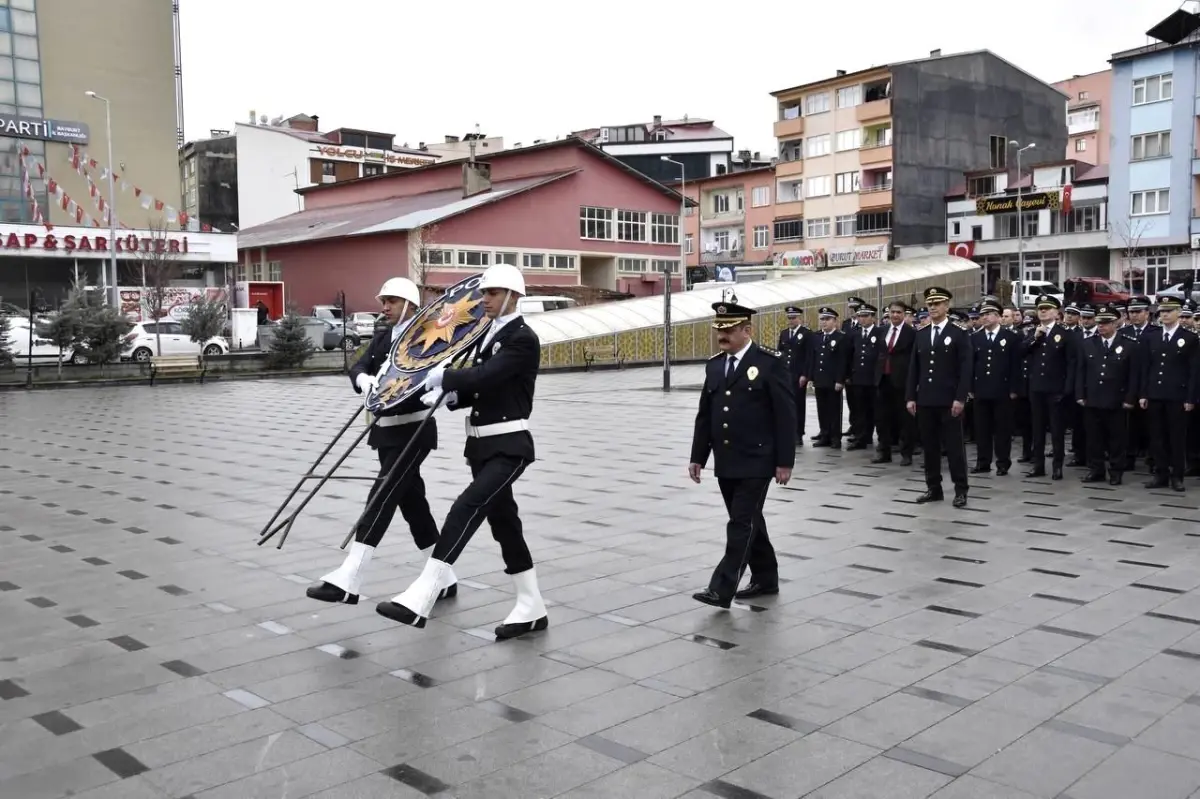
(1044,642)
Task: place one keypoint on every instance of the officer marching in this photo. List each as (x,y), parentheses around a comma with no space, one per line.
(794,341)
(1105,390)
(747,421)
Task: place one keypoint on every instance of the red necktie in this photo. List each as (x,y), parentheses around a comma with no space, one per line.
(887,362)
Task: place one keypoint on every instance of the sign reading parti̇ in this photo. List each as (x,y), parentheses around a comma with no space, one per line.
(15,127)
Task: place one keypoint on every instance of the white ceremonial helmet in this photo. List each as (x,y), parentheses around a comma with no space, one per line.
(503,276)
(403,288)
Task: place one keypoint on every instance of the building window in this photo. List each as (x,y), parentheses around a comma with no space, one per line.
(1084,116)
(509,258)
(816,146)
(275,271)
(472,258)
(689,242)
(816,103)
(792,150)
(981,186)
(371,170)
(847,182)
(328,169)
(257,270)
(631,264)
(740,201)
(664,228)
(762,237)
(998,149)
(849,96)
(818,186)
(562,262)
(869,224)
(595,223)
(239,273)
(1083,96)
(845,225)
(818,228)
(1083,219)
(631,225)
(720,203)
(790,192)
(1081,145)
(665,266)
(789,230)
(1029,224)
(1150,145)
(1153,89)
(1155,201)
(976,232)
(439,257)
(720,241)
(760,196)
(789,111)
(849,140)
(533,260)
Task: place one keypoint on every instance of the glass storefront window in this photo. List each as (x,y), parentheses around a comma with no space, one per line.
(29,94)
(6,67)
(24,22)
(7,109)
(28,71)
(23,46)
(6,44)
(28,5)
(8,92)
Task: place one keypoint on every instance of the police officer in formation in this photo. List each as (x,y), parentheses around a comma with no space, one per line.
(828,359)
(862,377)
(1106,390)
(793,344)
(996,370)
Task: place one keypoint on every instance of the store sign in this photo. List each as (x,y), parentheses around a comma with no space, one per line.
(802,259)
(81,246)
(853,256)
(15,127)
(1044,201)
(371,156)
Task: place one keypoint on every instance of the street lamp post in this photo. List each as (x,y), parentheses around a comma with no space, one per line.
(668,276)
(113,296)
(1020,217)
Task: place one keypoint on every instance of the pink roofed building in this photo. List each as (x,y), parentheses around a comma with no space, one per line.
(566,213)
(1088,111)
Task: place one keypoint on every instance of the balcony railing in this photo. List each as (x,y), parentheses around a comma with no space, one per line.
(1082,126)
(721,255)
(867,189)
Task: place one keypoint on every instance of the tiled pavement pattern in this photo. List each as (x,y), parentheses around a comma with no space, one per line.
(1045,642)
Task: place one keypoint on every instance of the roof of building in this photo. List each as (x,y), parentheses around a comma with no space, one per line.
(1180,29)
(317,137)
(1084,173)
(569,141)
(686,129)
(689,306)
(894,64)
(730,176)
(391,215)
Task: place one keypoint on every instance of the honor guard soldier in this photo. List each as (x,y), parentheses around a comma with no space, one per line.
(939,380)
(1052,359)
(896,427)
(995,372)
(404,489)
(794,341)
(1170,388)
(828,361)
(747,421)
(1105,389)
(498,388)
(865,349)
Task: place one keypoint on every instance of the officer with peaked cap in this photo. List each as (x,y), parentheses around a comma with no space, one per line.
(1138,329)
(1053,356)
(400,488)
(1105,389)
(995,370)
(747,421)
(794,341)
(865,350)
(828,360)
(939,381)
(1170,390)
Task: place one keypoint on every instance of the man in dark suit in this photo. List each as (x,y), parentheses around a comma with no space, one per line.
(995,370)
(747,421)
(1138,328)
(828,358)
(794,341)
(895,425)
(939,380)
(1106,387)
(1169,386)
(498,388)
(1052,360)
(390,435)
(850,328)
(865,350)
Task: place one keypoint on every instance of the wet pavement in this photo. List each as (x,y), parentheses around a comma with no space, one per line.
(1043,642)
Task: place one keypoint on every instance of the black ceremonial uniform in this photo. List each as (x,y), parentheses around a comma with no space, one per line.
(389,437)
(865,350)
(996,370)
(827,361)
(1052,360)
(895,424)
(1139,431)
(793,345)
(1022,416)
(1106,385)
(1170,377)
(940,375)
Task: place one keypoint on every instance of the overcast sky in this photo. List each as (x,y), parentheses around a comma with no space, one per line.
(528,69)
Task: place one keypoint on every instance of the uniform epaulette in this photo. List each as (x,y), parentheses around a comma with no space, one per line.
(770,351)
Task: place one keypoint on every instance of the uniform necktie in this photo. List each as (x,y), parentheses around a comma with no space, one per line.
(991,337)
(892,338)
(1166,336)
(936,330)
(730,365)
(1108,343)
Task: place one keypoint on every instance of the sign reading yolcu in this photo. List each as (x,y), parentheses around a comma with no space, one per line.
(1047,200)
(43,129)
(82,245)
(375,156)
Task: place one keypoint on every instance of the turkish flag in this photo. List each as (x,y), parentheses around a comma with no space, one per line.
(1066,199)
(963,249)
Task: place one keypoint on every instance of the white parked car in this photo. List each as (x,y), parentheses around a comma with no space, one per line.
(539,303)
(141,342)
(363,323)
(1026,292)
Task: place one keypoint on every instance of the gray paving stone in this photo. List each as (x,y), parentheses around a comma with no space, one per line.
(1138,771)
(802,766)
(643,780)
(883,777)
(1045,762)
(891,720)
(725,748)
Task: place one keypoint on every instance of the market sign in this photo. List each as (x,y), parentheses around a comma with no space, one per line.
(801,259)
(82,245)
(1044,201)
(360,155)
(16,127)
(853,256)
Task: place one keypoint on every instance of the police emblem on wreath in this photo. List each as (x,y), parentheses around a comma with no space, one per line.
(445,329)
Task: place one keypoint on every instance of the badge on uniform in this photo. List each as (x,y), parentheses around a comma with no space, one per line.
(832,343)
(946,341)
(1119,348)
(495,348)
(1057,338)
(752,372)
(872,339)
(1181,342)
(1003,342)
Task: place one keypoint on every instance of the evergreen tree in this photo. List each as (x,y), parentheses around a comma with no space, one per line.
(99,328)
(290,346)
(6,353)
(205,320)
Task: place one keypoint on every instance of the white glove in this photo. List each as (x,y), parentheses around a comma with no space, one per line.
(366,382)
(430,398)
(434,378)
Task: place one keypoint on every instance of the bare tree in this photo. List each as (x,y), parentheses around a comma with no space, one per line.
(1130,233)
(160,269)
(420,241)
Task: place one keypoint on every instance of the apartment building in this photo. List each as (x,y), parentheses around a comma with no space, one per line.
(731,224)
(867,157)
(1089,98)
(697,144)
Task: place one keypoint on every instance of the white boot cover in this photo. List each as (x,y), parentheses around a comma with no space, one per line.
(529,607)
(419,597)
(450,578)
(348,576)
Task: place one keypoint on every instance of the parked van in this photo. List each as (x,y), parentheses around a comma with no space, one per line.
(539,303)
(1026,292)
(1095,290)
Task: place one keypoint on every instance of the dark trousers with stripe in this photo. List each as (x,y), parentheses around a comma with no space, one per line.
(489,497)
(746,539)
(406,491)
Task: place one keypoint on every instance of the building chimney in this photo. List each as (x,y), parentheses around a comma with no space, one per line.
(253,116)
(935,53)
(477,178)
(420,145)
(841,73)
(657,120)
(452,139)
(316,122)
(757,155)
